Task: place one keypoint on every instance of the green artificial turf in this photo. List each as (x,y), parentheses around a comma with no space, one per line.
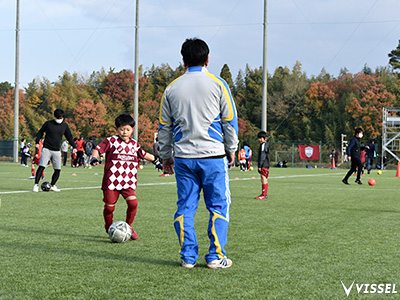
(312,233)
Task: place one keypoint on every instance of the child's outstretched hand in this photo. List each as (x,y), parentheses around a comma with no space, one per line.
(94,162)
(157,164)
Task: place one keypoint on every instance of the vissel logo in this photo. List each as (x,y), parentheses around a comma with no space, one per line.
(347,290)
(309,151)
(374,288)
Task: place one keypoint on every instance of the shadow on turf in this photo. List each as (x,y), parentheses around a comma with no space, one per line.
(86,238)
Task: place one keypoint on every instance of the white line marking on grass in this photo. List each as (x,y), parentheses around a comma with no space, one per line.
(88,188)
(309,175)
(173,182)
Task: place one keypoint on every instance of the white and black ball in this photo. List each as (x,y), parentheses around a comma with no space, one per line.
(119,232)
(46,186)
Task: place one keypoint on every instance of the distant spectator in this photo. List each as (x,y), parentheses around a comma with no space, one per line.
(25,154)
(21,147)
(371,154)
(80,147)
(89,148)
(64,150)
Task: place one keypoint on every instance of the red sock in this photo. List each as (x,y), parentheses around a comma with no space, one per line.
(131,211)
(265,189)
(108,216)
(33,171)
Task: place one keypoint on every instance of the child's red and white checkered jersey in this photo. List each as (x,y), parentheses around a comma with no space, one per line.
(122,160)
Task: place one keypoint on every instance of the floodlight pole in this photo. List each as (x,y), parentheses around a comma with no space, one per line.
(136,84)
(265,75)
(16,92)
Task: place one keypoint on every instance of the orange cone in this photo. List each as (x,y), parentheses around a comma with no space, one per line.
(398,169)
(333,166)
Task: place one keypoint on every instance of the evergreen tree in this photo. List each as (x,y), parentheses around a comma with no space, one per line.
(227,76)
(5,87)
(394,56)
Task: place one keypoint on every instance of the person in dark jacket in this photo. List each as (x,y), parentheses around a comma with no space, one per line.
(353,152)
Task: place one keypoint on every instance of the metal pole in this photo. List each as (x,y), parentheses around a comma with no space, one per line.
(264,91)
(16,92)
(136,87)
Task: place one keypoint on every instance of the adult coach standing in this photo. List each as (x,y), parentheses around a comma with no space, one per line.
(198,123)
(55,130)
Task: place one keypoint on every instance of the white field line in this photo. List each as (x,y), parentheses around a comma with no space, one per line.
(173,182)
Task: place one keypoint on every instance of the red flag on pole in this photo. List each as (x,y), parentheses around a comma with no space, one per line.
(309,152)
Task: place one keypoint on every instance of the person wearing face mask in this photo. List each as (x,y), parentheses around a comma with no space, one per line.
(353,152)
(55,130)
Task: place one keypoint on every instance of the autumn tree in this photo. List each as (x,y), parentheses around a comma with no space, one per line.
(7,114)
(367,104)
(320,101)
(89,119)
(119,88)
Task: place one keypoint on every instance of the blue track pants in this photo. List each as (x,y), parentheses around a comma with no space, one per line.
(211,175)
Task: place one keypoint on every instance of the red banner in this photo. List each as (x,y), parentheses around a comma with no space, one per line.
(309,152)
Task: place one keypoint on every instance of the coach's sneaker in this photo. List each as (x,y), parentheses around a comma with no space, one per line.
(220,263)
(35,188)
(261,197)
(187,265)
(358,182)
(54,188)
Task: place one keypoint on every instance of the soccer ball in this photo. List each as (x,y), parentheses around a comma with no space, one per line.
(46,186)
(119,232)
(251,168)
(379,172)
(371,182)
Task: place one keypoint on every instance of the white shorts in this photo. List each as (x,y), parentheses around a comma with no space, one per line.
(54,156)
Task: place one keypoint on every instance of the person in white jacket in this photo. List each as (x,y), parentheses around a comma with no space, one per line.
(198,124)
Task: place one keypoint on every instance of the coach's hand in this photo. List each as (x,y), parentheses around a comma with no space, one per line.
(168,165)
(231,158)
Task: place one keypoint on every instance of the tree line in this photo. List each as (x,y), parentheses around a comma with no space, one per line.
(300,108)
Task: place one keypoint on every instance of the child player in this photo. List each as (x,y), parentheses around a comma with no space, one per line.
(36,160)
(123,155)
(263,164)
(242,159)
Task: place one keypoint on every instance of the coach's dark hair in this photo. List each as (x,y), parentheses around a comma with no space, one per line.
(59,113)
(195,52)
(358,130)
(262,134)
(124,119)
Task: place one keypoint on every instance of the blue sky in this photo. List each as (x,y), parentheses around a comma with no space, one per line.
(84,36)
